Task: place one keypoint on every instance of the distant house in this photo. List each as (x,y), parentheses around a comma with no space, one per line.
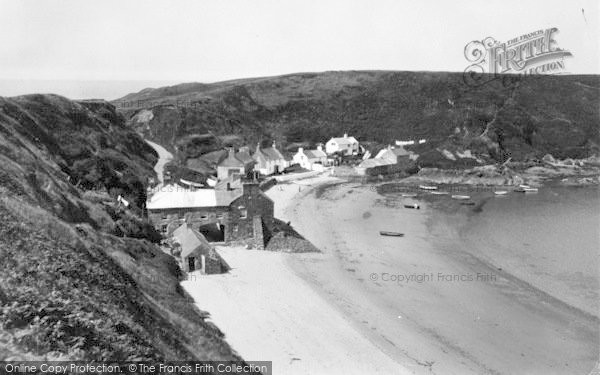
(240,163)
(393,155)
(345,145)
(269,160)
(389,160)
(233,215)
(311,159)
(195,253)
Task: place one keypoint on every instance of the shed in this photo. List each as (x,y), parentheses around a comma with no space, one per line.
(196,253)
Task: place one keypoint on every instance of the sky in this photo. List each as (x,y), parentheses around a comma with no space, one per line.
(108,48)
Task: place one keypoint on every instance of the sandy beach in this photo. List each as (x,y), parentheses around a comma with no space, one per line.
(372,304)
(276,316)
(425,302)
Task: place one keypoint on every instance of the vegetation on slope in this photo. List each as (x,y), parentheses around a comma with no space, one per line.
(79,275)
(535,116)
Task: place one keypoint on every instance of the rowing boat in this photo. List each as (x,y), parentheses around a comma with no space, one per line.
(439,192)
(391,234)
(461,197)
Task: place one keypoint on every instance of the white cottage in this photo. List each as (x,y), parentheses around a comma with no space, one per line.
(346,145)
(311,159)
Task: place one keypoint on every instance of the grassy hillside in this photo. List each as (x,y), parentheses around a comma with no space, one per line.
(79,276)
(537,115)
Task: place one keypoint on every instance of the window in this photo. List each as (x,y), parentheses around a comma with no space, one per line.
(163,228)
(243,214)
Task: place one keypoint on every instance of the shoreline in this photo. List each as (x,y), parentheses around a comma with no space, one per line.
(342,255)
(328,298)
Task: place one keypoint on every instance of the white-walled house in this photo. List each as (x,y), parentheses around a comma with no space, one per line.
(311,159)
(269,160)
(346,145)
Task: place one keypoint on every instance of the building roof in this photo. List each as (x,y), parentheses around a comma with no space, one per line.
(191,241)
(315,154)
(272,153)
(231,160)
(370,163)
(174,196)
(344,140)
(391,152)
(258,155)
(244,155)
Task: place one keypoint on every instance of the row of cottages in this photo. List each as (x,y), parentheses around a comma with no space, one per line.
(345,145)
(195,253)
(266,161)
(311,159)
(240,213)
(388,160)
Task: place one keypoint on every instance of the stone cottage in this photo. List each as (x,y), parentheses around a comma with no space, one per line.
(195,253)
(231,215)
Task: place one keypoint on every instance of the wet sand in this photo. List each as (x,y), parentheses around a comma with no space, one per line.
(424,301)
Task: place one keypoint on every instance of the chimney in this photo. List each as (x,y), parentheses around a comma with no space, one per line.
(319,147)
(231,152)
(274,145)
(258,147)
(300,149)
(345,135)
(228,186)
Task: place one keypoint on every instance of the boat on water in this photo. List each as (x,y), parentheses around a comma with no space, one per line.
(468,203)
(427,187)
(461,197)
(391,234)
(501,192)
(409,195)
(526,190)
(439,192)
(412,205)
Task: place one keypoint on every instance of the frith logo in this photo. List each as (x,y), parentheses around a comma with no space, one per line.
(533,53)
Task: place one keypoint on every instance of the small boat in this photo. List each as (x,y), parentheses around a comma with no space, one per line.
(427,187)
(407,195)
(413,205)
(461,197)
(391,234)
(526,190)
(439,192)
(468,203)
(501,192)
